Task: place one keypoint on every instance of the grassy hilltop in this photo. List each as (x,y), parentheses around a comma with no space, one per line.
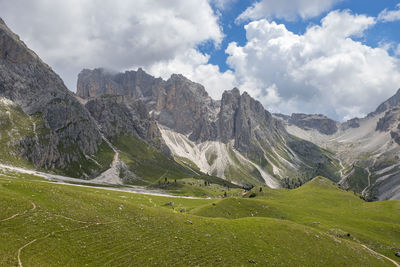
(47,224)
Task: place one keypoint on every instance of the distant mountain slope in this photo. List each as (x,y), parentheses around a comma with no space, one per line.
(42,121)
(319,122)
(369,149)
(234,138)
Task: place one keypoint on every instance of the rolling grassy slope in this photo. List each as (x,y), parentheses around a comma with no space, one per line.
(47,224)
(320,204)
(147,162)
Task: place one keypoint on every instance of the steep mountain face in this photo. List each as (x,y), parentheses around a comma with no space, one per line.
(244,120)
(235,138)
(319,122)
(117,117)
(368,148)
(176,103)
(44,123)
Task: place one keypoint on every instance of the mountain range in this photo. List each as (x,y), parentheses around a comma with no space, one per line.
(134,128)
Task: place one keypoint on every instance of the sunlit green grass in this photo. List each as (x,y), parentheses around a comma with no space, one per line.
(77,226)
(321,205)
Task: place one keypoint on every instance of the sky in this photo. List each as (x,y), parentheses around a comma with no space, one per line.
(340,58)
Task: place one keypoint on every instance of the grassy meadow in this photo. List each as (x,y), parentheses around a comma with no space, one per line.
(49,224)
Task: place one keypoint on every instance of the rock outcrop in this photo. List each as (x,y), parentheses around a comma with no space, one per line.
(177,103)
(319,122)
(244,119)
(390,119)
(185,107)
(67,132)
(352,123)
(117,117)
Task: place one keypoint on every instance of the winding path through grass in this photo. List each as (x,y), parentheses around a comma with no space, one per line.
(55,232)
(380,255)
(18,214)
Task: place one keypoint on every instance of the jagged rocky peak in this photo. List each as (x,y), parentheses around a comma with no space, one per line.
(97,82)
(227,115)
(12,48)
(314,121)
(244,119)
(178,80)
(183,105)
(177,103)
(65,132)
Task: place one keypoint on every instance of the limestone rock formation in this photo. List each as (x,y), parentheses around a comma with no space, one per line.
(184,107)
(117,117)
(319,122)
(177,103)
(67,133)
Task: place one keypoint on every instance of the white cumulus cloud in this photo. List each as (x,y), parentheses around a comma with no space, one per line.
(223,4)
(75,34)
(193,65)
(390,15)
(325,70)
(286,9)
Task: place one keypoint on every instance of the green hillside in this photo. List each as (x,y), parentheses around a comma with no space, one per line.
(47,224)
(147,162)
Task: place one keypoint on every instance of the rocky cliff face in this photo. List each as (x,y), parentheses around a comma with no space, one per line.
(118,117)
(257,144)
(235,138)
(245,120)
(185,107)
(390,119)
(352,123)
(177,103)
(368,149)
(318,122)
(136,84)
(66,132)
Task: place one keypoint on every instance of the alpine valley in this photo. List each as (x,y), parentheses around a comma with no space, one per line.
(214,175)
